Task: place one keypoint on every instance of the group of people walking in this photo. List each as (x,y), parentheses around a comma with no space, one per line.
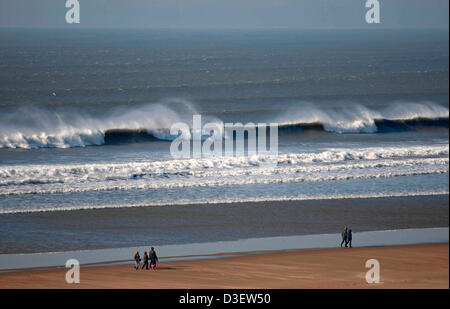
(152,257)
(346,237)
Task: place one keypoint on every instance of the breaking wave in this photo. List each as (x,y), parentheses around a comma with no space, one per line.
(357,118)
(38,128)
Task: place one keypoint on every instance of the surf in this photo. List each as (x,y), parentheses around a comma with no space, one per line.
(48,128)
(357,118)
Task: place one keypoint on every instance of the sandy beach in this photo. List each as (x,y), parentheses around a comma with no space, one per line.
(245,141)
(406,266)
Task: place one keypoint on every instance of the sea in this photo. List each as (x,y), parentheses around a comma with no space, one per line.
(85,118)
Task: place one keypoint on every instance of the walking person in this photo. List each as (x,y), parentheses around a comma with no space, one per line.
(153,258)
(137,260)
(344,236)
(349,238)
(145,261)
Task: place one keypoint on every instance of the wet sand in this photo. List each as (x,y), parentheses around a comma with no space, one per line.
(407,266)
(171,225)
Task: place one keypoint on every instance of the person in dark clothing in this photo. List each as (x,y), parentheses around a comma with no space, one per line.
(137,260)
(349,238)
(344,236)
(153,258)
(145,261)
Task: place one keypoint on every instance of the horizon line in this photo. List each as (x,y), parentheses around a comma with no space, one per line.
(65,27)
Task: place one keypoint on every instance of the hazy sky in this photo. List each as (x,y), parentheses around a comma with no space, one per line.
(225,13)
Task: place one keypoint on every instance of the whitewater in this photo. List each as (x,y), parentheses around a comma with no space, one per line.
(157,177)
(60,159)
(46,128)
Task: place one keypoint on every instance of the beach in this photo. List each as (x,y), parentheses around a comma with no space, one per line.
(422,266)
(317,130)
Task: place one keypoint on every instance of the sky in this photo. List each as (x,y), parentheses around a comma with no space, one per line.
(212,14)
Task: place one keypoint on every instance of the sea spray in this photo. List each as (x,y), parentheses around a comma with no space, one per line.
(66,128)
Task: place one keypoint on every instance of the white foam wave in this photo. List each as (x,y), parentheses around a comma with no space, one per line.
(39,128)
(327,165)
(356,118)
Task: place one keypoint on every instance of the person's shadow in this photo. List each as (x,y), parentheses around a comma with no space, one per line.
(169,267)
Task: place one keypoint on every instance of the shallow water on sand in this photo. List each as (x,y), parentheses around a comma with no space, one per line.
(185,224)
(202,250)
